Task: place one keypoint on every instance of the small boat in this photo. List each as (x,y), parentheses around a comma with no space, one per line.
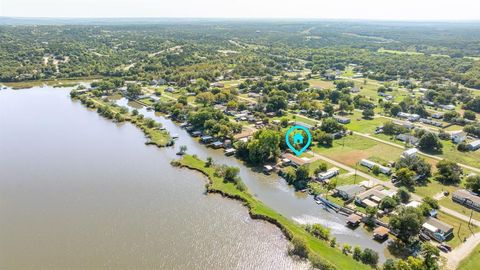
(175,136)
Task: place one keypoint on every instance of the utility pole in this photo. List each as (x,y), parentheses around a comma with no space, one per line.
(470,220)
(355,177)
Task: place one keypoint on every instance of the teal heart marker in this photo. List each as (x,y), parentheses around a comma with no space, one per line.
(298,139)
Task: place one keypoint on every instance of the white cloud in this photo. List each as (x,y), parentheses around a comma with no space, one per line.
(343,9)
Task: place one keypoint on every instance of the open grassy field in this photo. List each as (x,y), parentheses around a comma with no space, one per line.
(450,152)
(362,125)
(319,83)
(434,187)
(351,149)
(472,261)
(317,249)
(382,50)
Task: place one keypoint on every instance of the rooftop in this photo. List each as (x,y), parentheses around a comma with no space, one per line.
(438,224)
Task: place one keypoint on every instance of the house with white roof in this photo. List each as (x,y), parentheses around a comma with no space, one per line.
(458,136)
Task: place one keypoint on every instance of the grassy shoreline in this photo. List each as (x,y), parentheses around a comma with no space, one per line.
(62,82)
(319,252)
(160,138)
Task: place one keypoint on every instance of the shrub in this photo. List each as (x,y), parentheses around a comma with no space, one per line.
(299,247)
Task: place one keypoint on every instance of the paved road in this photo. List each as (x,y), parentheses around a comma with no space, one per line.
(461,252)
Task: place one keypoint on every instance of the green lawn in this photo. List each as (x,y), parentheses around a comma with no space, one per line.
(362,125)
(258,209)
(321,83)
(351,149)
(472,261)
(450,152)
(449,203)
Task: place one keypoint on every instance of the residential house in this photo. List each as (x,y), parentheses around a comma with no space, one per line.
(323,176)
(354,220)
(410,117)
(449,107)
(437,229)
(370,164)
(410,153)
(431,122)
(206,139)
(230,151)
(267,169)
(373,196)
(342,120)
(217,144)
(349,192)
(472,146)
(458,136)
(196,133)
(467,198)
(407,138)
(380,233)
(355,90)
(295,160)
(217,84)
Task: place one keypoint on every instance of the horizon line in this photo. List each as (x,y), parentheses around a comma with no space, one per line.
(245,19)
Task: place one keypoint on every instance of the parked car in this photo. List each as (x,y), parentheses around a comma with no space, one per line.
(443,248)
(447,247)
(424,237)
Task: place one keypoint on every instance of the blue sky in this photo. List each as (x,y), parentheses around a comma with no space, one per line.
(331,9)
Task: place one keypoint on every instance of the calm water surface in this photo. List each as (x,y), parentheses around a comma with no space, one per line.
(79,192)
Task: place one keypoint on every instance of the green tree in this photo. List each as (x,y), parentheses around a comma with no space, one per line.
(407,222)
(405,177)
(357,253)
(330,125)
(430,142)
(320,232)
(369,257)
(264,146)
(231,174)
(430,255)
(403,195)
(469,115)
(299,247)
(209,162)
(346,249)
(205,98)
(395,110)
(133,91)
(388,203)
(473,183)
(416,164)
(448,172)
(368,113)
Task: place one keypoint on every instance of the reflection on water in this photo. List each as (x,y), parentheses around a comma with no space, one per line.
(78,192)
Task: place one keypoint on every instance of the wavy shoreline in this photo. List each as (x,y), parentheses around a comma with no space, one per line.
(320,254)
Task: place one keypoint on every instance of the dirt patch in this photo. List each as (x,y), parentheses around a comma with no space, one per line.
(350,158)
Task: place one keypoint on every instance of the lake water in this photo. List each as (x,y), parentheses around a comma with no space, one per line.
(80,192)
